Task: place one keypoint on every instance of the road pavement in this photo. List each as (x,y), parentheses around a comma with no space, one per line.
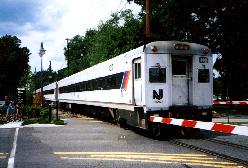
(89,143)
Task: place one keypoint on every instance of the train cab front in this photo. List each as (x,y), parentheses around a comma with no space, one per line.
(179,81)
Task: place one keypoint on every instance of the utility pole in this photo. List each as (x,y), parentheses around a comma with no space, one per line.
(148,30)
(68,56)
(35,79)
(50,71)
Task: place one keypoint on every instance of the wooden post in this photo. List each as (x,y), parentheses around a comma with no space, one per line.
(148,30)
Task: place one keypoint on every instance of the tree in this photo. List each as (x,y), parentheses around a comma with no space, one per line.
(13,64)
(47,77)
(170,19)
(115,36)
(229,36)
(222,25)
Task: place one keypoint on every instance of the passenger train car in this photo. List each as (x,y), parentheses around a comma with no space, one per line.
(162,78)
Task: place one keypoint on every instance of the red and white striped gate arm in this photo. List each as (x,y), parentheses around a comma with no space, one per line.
(230,102)
(218,127)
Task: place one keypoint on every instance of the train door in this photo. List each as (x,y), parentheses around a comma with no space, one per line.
(181,80)
(137,82)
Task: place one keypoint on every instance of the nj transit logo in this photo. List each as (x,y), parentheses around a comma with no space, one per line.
(158,95)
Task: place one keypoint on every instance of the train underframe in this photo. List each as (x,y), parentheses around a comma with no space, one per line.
(139,118)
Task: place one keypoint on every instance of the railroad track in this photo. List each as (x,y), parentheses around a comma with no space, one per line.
(216,154)
(228,144)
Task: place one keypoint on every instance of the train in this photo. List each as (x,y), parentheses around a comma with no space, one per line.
(171,79)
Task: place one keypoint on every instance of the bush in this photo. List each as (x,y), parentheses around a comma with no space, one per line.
(2,119)
(42,121)
(30,112)
(30,121)
(44,112)
(58,122)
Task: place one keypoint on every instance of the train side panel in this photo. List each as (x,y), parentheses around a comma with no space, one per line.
(49,92)
(112,80)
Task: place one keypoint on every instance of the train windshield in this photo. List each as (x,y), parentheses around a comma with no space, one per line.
(157,75)
(203,75)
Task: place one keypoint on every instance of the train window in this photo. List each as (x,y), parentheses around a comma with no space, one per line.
(81,87)
(203,75)
(102,83)
(87,84)
(78,87)
(137,70)
(70,88)
(90,85)
(118,80)
(108,80)
(94,84)
(157,75)
(179,67)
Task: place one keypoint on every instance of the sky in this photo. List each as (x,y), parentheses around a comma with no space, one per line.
(53,21)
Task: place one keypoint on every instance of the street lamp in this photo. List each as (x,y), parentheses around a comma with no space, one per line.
(41,53)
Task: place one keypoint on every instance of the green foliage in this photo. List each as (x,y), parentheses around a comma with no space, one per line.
(44,113)
(40,116)
(228,36)
(113,37)
(30,121)
(31,112)
(218,88)
(62,73)
(42,121)
(13,63)
(2,117)
(47,77)
(222,25)
(58,122)
(116,36)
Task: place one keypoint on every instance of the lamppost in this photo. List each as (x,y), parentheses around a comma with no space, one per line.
(41,53)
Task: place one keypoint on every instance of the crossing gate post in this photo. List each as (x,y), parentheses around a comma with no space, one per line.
(50,113)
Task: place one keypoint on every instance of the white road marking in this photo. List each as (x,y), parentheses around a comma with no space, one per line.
(13,151)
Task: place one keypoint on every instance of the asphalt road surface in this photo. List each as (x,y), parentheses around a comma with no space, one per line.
(89,143)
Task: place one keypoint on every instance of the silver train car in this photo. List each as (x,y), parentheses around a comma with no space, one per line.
(163,78)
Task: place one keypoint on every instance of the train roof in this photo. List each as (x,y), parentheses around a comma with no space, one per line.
(177,47)
(162,48)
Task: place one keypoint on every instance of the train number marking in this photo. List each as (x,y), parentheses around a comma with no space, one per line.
(203,60)
(111,67)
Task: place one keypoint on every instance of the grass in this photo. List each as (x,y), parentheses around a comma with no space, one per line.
(42,121)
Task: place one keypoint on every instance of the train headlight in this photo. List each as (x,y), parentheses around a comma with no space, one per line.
(157,65)
(154,48)
(205,50)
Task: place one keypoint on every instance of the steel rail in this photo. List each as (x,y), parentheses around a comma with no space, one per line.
(228,144)
(219,155)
